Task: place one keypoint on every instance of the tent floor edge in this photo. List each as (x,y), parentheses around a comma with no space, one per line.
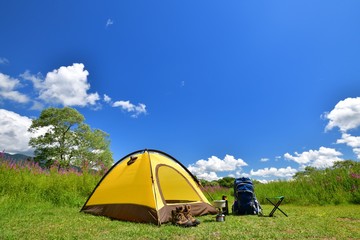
(197,209)
(125,212)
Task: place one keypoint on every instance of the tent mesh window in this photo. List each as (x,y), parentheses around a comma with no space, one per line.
(175,187)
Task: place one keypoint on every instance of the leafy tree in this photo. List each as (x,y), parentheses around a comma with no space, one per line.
(204,182)
(214,183)
(226,182)
(93,148)
(68,140)
(307,172)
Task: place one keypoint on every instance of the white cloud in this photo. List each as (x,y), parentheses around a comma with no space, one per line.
(208,176)
(264,159)
(37,106)
(7,89)
(3,60)
(351,141)
(287,172)
(14,137)
(264,181)
(209,168)
(357,152)
(107,98)
(345,115)
(136,110)
(239,174)
(127,106)
(109,22)
(322,158)
(67,86)
(37,80)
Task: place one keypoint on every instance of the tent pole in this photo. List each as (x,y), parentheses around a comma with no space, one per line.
(206,191)
(153,186)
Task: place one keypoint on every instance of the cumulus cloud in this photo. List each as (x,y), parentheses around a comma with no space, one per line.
(322,158)
(65,86)
(14,137)
(68,86)
(264,159)
(36,79)
(238,174)
(287,172)
(135,110)
(107,99)
(208,169)
(208,176)
(345,115)
(351,141)
(127,106)
(7,89)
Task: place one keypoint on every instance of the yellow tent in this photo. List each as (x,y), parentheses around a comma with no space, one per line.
(145,186)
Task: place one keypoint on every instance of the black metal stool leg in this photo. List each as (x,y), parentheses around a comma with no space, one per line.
(276,206)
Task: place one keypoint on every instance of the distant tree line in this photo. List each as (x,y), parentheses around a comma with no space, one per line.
(227,182)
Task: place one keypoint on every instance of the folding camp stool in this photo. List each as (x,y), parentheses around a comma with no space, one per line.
(276,205)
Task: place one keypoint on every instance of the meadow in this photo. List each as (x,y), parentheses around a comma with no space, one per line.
(45,204)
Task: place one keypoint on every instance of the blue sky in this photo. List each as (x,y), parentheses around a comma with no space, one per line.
(229,88)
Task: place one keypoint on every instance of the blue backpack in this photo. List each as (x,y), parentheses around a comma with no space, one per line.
(245,199)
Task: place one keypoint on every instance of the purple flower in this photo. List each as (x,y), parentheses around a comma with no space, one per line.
(355,175)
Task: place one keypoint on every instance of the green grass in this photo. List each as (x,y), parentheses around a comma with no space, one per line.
(29,183)
(39,204)
(332,186)
(323,187)
(46,221)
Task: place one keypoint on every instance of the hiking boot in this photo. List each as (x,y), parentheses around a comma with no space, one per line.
(187,213)
(179,219)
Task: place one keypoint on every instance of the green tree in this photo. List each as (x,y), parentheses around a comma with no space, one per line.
(93,148)
(66,139)
(307,172)
(226,182)
(204,182)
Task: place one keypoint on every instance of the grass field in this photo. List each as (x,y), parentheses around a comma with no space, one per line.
(45,221)
(45,204)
